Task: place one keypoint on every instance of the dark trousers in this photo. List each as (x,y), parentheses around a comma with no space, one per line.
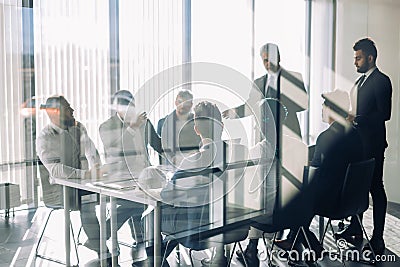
(378,194)
(125,210)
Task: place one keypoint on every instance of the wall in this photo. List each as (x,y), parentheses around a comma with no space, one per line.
(378,19)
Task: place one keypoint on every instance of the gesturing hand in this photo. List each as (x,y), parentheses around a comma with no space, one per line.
(141,119)
(229,114)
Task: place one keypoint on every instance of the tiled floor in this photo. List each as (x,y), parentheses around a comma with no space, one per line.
(19,236)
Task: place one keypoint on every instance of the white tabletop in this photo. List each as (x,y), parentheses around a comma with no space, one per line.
(111,187)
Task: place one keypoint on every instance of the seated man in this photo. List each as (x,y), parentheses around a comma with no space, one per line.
(176,130)
(188,192)
(336,147)
(66,151)
(125,136)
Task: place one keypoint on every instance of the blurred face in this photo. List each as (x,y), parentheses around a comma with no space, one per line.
(67,115)
(62,117)
(362,62)
(183,106)
(264,57)
(270,61)
(325,114)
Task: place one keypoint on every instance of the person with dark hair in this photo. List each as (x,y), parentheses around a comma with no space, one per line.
(67,152)
(188,193)
(125,136)
(335,148)
(371,106)
(176,130)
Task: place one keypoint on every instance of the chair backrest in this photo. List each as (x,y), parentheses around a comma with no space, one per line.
(354,197)
(298,212)
(223,200)
(53,196)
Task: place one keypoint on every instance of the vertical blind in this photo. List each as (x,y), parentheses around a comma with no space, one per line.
(72,58)
(11,130)
(150,42)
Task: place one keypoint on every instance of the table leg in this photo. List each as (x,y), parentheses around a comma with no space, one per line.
(157,235)
(113,222)
(67,222)
(103,233)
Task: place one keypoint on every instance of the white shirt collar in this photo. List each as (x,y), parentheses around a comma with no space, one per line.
(271,73)
(368,73)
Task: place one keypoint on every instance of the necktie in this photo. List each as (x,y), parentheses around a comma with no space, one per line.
(353,94)
(360,81)
(270,86)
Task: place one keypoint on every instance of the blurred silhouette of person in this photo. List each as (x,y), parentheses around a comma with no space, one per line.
(188,193)
(176,130)
(125,136)
(371,106)
(67,152)
(335,148)
(274,100)
(285,87)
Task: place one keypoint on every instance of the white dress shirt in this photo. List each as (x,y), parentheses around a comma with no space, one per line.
(272,81)
(354,91)
(66,153)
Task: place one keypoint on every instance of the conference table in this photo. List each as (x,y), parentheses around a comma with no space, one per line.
(101,187)
(235,203)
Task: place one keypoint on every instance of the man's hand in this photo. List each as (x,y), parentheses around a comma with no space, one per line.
(230,114)
(95,173)
(350,118)
(141,119)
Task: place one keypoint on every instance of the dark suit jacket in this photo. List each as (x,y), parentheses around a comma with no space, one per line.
(374,106)
(335,148)
(188,139)
(286,98)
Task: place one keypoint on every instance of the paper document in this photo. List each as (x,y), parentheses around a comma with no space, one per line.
(119,185)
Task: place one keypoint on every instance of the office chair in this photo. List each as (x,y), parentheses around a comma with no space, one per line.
(354,198)
(200,233)
(38,255)
(52,198)
(294,215)
(205,239)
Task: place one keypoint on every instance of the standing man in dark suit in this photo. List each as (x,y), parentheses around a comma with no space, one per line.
(278,85)
(274,100)
(371,105)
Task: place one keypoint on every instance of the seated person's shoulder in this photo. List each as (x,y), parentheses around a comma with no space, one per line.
(190,162)
(110,123)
